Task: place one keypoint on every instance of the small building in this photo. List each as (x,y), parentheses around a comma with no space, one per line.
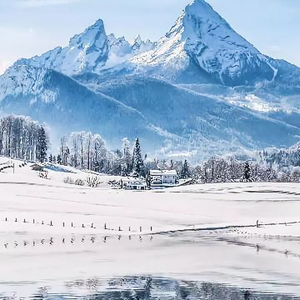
(162,178)
(136,185)
(37,167)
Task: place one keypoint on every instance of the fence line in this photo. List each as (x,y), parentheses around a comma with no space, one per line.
(70,240)
(72,225)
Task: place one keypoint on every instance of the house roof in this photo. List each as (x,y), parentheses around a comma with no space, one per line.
(36,165)
(137,183)
(163,173)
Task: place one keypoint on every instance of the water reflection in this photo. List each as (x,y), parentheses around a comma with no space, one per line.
(138,288)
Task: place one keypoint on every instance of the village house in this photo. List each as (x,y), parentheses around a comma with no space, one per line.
(162,178)
(37,167)
(136,185)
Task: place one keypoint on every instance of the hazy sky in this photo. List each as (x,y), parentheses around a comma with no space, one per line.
(30,27)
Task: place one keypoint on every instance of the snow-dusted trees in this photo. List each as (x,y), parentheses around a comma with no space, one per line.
(247,171)
(88,146)
(23,138)
(75,150)
(1,136)
(84,150)
(100,154)
(88,151)
(126,157)
(137,161)
(41,147)
(185,172)
(59,160)
(64,150)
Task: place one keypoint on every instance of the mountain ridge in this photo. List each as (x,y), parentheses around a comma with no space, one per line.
(201,86)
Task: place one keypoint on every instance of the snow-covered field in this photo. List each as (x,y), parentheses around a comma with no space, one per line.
(200,232)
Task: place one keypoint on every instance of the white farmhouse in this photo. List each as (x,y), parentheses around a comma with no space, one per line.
(163,178)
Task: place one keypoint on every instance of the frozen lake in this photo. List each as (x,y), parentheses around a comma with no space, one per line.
(148,287)
(79,267)
(62,241)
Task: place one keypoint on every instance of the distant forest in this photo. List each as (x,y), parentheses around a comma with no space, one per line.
(24,139)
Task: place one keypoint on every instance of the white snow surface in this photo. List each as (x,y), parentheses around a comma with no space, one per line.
(195,233)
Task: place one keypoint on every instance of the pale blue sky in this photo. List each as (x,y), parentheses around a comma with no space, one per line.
(29,27)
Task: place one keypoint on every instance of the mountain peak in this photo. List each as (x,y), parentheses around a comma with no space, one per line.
(98,23)
(200,43)
(200,21)
(140,46)
(138,39)
(90,36)
(202,40)
(198,4)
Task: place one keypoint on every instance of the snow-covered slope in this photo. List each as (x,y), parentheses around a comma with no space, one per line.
(134,107)
(188,223)
(199,122)
(66,106)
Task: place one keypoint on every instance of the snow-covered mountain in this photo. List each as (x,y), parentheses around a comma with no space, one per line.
(161,114)
(201,86)
(87,51)
(202,48)
(90,51)
(67,106)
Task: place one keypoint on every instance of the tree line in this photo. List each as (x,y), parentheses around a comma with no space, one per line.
(23,138)
(87,151)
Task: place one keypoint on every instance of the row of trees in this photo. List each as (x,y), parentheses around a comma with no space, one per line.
(23,138)
(88,151)
(219,169)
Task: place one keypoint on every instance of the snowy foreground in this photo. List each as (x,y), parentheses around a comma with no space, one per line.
(201,232)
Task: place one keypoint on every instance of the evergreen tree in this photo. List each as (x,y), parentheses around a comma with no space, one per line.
(1,136)
(247,171)
(42,145)
(138,164)
(59,160)
(54,159)
(171,165)
(50,158)
(185,172)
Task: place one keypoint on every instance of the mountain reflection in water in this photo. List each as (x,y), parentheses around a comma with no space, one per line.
(138,288)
